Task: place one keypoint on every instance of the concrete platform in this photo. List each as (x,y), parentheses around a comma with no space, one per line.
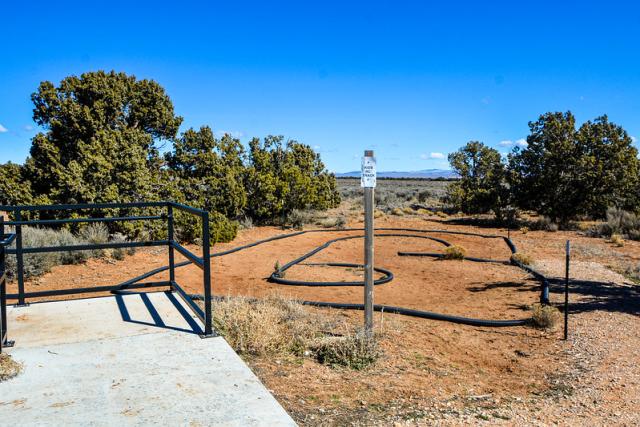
(127,360)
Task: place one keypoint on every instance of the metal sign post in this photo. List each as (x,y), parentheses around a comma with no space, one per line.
(368,182)
(566,291)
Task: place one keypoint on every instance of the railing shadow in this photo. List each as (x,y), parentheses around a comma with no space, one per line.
(158,322)
(584,295)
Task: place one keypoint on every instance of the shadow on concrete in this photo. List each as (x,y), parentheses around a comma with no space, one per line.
(157,319)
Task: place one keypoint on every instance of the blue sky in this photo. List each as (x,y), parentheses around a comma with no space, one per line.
(412,80)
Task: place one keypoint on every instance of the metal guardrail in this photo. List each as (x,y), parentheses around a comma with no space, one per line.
(5,240)
(19,251)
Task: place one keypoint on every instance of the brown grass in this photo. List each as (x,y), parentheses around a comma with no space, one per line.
(278,326)
(522,258)
(8,367)
(545,316)
(617,240)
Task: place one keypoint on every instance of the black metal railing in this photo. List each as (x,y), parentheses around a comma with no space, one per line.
(5,240)
(19,251)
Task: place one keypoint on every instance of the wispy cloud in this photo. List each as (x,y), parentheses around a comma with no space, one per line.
(517,143)
(432,156)
(27,128)
(3,129)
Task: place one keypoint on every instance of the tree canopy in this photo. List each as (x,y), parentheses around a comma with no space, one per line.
(281,178)
(102,136)
(562,173)
(100,139)
(481,187)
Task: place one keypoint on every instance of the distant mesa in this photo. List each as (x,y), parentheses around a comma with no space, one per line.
(425,174)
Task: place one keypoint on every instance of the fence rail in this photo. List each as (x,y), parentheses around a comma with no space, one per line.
(19,251)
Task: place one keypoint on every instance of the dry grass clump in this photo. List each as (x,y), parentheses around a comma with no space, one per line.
(277,326)
(354,351)
(617,240)
(441,214)
(408,210)
(522,258)
(378,213)
(455,252)
(334,222)
(524,230)
(397,211)
(423,211)
(8,367)
(264,327)
(545,316)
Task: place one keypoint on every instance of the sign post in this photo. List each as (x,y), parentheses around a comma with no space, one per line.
(368,182)
(566,290)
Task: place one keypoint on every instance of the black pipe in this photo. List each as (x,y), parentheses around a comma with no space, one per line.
(396,310)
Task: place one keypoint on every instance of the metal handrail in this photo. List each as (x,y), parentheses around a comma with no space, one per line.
(19,251)
(7,239)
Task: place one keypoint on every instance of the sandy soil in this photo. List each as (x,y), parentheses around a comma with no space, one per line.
(437,372)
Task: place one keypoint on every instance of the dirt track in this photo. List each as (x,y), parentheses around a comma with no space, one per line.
(431,370)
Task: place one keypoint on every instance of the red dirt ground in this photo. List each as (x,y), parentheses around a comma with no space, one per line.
(461,371)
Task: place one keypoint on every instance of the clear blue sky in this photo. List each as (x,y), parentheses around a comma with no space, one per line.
(411,80)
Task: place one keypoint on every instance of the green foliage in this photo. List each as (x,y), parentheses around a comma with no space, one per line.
(100,140)
(481,187)
(609,167)
(189,228)
(100,145)
(208,174)
(563,173)
(281,178)
(15,188)
(454,252)
(209,171)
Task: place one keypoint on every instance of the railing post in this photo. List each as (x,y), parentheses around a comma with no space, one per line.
(20,260)
(3,289)
(206,258)
(172,268)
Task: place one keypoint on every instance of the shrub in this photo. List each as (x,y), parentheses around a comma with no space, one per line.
(617,240)
(8,367)
(335,222)
(119,253)
(41,263)
(621,222)
(524,230)
(545,316)
(455,252)
(408,210)
(354,351)
(545,223)
(378,213)
(397,211)
(245,223)
(95,233)
(276,270)
(522,258)
(189,228)
(297,219)
(424,195)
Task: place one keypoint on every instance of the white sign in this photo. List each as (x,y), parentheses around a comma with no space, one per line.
(368,173)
